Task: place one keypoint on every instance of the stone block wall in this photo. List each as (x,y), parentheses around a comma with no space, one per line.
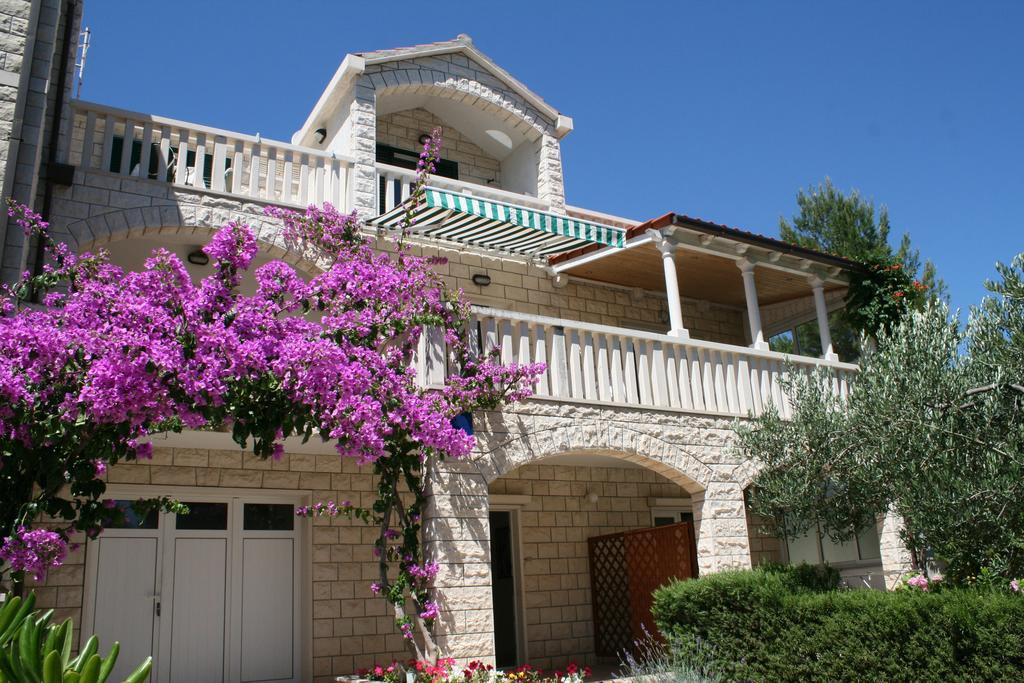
(554,528)
(403,129)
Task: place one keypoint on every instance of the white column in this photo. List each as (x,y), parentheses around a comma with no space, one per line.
(818,287)
(746,267)
(675,306)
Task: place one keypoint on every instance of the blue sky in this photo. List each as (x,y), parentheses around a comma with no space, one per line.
(717,110)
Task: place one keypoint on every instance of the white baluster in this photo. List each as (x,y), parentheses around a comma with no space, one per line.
(604,381)
(643,371)
(87,140)
(617,370)
(181,170)
(271,190)
(708,374)
(146,151)
(629,365)
(220,164)
(506,341)
(730,383)
(575,364)
(318,197)
(304,180)
(107,161)
(540,355)
(287,178)
(743,378)
(559,364)
(589,378)
(255,161)
(672,375)
(163,160)
(696,381)
(659,377)
(238,168)
(127,142)
(199,171)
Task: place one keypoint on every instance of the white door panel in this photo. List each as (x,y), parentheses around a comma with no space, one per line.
(125,598)
(268,619)
(198,610)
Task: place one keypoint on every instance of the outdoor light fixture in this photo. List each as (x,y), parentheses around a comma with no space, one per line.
(481,279)
(198,257)
(592,497)
(321,135)
(425,138)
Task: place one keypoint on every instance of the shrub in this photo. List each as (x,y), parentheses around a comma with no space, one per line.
(765,626)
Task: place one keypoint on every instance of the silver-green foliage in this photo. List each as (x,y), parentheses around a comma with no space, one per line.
(933,429)
(34,650)
(652,661)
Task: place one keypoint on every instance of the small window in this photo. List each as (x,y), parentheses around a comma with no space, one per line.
(782,342)
(203,517)
(666,517)
(403,158)
(125,516)
(816,548)
(268,517)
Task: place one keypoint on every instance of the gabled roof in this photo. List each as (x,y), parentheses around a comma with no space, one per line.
(356,62)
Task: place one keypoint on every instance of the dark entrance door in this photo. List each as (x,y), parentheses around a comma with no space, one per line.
(503,589)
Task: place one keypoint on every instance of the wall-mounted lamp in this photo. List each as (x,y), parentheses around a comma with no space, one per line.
(481,279)
(321,135)
(198,257)
(425,138)
(592,497)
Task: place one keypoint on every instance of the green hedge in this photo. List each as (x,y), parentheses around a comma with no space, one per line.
(775,626)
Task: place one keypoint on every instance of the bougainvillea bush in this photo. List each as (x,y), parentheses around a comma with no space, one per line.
(108,357)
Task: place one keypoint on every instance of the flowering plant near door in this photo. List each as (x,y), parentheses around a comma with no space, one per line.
(107,358)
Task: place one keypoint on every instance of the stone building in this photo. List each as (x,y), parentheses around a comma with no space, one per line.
(658,336)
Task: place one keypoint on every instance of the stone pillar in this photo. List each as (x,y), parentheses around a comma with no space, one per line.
(720,521)
(746,267)
(458,529)
(550,183)
(818,287)
(896,559)
(362,144)
(675,306)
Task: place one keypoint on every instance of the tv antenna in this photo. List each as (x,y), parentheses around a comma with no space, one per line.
(83,50)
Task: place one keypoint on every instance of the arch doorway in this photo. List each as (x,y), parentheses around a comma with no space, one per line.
(542,517)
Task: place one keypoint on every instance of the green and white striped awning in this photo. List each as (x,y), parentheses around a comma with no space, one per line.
(490,224)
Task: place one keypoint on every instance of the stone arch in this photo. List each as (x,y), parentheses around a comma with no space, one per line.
(501,454)
(193,217)
(489,97)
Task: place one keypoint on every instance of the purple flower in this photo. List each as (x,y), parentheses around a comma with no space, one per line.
(34,551)
(1015,586)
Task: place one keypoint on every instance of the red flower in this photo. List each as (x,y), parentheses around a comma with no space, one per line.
(897,295)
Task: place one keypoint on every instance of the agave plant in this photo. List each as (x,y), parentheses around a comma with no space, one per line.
(34,650)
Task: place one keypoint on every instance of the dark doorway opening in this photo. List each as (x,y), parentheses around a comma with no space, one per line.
(503,589)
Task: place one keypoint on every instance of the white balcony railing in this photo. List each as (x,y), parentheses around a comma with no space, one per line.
(203,158)
(599,364)
(394,185)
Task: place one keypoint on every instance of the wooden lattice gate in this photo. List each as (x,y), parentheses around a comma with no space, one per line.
(625,568)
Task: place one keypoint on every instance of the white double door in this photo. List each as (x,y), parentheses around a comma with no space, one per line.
(214,596)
